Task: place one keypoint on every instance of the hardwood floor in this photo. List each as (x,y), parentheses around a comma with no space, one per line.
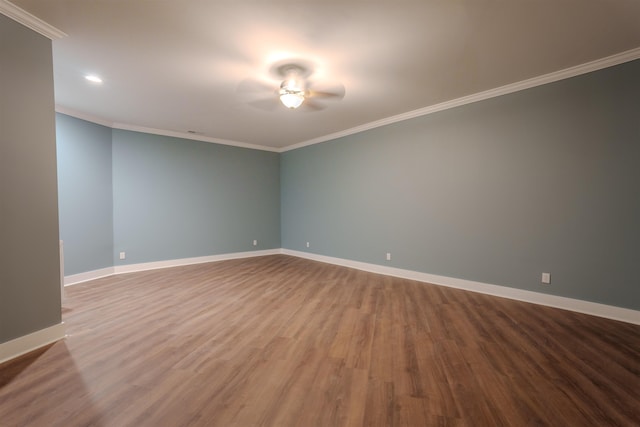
(283,341)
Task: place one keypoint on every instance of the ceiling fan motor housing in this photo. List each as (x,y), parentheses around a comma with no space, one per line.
(292,88)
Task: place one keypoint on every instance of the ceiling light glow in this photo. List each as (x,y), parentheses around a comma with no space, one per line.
(292,100)
(291,90)
(93,78)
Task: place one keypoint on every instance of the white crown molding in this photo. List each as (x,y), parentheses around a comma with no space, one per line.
(28,20)
(596,65)
(586,307)
(566,73)
(194,137)
(184,135)
(83,116)
(23,345)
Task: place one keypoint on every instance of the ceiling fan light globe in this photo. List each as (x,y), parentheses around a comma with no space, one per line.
(292,100)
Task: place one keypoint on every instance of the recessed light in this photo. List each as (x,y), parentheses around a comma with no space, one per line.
(93,78)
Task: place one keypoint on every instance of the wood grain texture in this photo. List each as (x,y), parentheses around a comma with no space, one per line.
(282,341)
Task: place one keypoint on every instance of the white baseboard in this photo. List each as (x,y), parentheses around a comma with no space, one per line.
(74,279)
(119,269)
(580,306)
(25,344)
(586,307)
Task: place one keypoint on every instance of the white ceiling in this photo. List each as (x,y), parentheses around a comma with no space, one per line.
(176,65)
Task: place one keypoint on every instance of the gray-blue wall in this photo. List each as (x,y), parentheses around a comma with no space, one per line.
(30,262)
(85,194)
(543,180)
(160,198)
(176,198)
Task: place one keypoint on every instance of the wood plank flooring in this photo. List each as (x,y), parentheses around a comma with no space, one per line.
(282,341)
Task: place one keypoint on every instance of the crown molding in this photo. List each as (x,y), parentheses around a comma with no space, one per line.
(83,116)
(599,64)
(162,132)
(194,137)
(566,73)
(28,20)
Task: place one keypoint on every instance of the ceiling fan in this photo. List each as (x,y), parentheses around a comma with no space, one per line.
(296,88)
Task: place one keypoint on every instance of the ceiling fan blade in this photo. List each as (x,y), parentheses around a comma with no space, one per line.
(267,104)
(335,91)
(255,85)
(311,105)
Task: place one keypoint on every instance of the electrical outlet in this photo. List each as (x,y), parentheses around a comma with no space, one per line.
(388,256)
(546,278)
(255,243)
(307,244)
(123,255)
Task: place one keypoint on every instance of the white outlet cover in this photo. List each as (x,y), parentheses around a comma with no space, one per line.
(546,278)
